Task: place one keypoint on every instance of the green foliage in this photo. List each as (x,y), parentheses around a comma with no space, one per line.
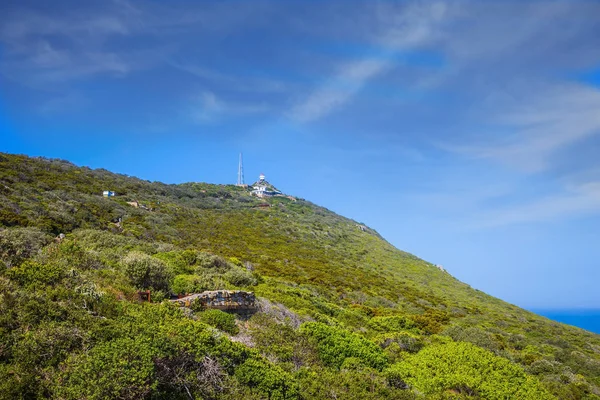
(240,277)
(356,383)
(17,244)
(122,368)
(33,272)
(220,320)
(275,337)
(47,345)
(183,284)
(146,272)
(270,381)
(431,321)
(464,368)
(396,344)
(476,336)
(334,345)
(394,323)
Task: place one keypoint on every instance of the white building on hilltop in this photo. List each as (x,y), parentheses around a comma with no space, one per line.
(262,188)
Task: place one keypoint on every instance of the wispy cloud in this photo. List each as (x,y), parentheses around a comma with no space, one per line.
(530,130)
(407,29)
(208,108)
(24,25)
(576,201)
(235,82)
(42,49)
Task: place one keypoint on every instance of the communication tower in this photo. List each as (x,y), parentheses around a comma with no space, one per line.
(240,180)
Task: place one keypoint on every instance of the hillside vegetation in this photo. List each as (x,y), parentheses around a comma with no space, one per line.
(343,314)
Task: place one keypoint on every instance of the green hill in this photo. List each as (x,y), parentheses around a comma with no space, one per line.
(343,313)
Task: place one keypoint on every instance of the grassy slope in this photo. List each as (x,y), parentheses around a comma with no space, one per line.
(315,262)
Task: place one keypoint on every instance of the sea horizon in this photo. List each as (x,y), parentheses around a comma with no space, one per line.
(588,319)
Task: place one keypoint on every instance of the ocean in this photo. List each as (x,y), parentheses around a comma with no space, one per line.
(585,319)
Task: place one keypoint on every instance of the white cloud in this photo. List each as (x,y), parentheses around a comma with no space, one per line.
(208,108)
(405,30)
(238,83)
(24,25)
(576,201)
(43,50)
(537,125)
(339,90)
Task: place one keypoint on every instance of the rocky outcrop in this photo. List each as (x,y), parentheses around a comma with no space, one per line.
(226,300)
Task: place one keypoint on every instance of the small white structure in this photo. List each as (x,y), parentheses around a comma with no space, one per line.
(108,193)
(259,191)
(262,188)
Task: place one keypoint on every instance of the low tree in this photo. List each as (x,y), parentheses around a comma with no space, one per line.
(145,271)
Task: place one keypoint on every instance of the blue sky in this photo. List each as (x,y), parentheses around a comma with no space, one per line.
(466,132)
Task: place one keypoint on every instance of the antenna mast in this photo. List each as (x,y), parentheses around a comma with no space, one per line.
(240,181)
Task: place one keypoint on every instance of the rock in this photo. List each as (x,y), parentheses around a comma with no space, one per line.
(225,300)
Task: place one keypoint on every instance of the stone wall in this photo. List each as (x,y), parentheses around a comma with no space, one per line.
(226,300)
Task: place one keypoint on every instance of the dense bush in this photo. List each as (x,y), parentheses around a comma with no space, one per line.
(431,321)
(268,380)
(122,368)
(184,284)
(220,320)
(474,335)
(240,277)
(33,272)
(334,345)
(392,324)
(465,369)
(348,384)
(397,343)
(17,244)
(146,272)
(274,336)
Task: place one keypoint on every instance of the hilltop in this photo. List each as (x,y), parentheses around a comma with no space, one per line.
(342,312)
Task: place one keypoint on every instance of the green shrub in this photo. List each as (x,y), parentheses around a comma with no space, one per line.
(18,382)
(474,335)
(210,261)
(275,337)
(405,341)
(9,217)
(17,244)
(220,320)
(240,277)
(541,367)
(431,321)
(394,323)
(334,345)
(466,369)
(183,284)
(122,368)
(47,345)
(179,262)
(269,380)
(146,272)
(70,255)
(353,383)
(35,273)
